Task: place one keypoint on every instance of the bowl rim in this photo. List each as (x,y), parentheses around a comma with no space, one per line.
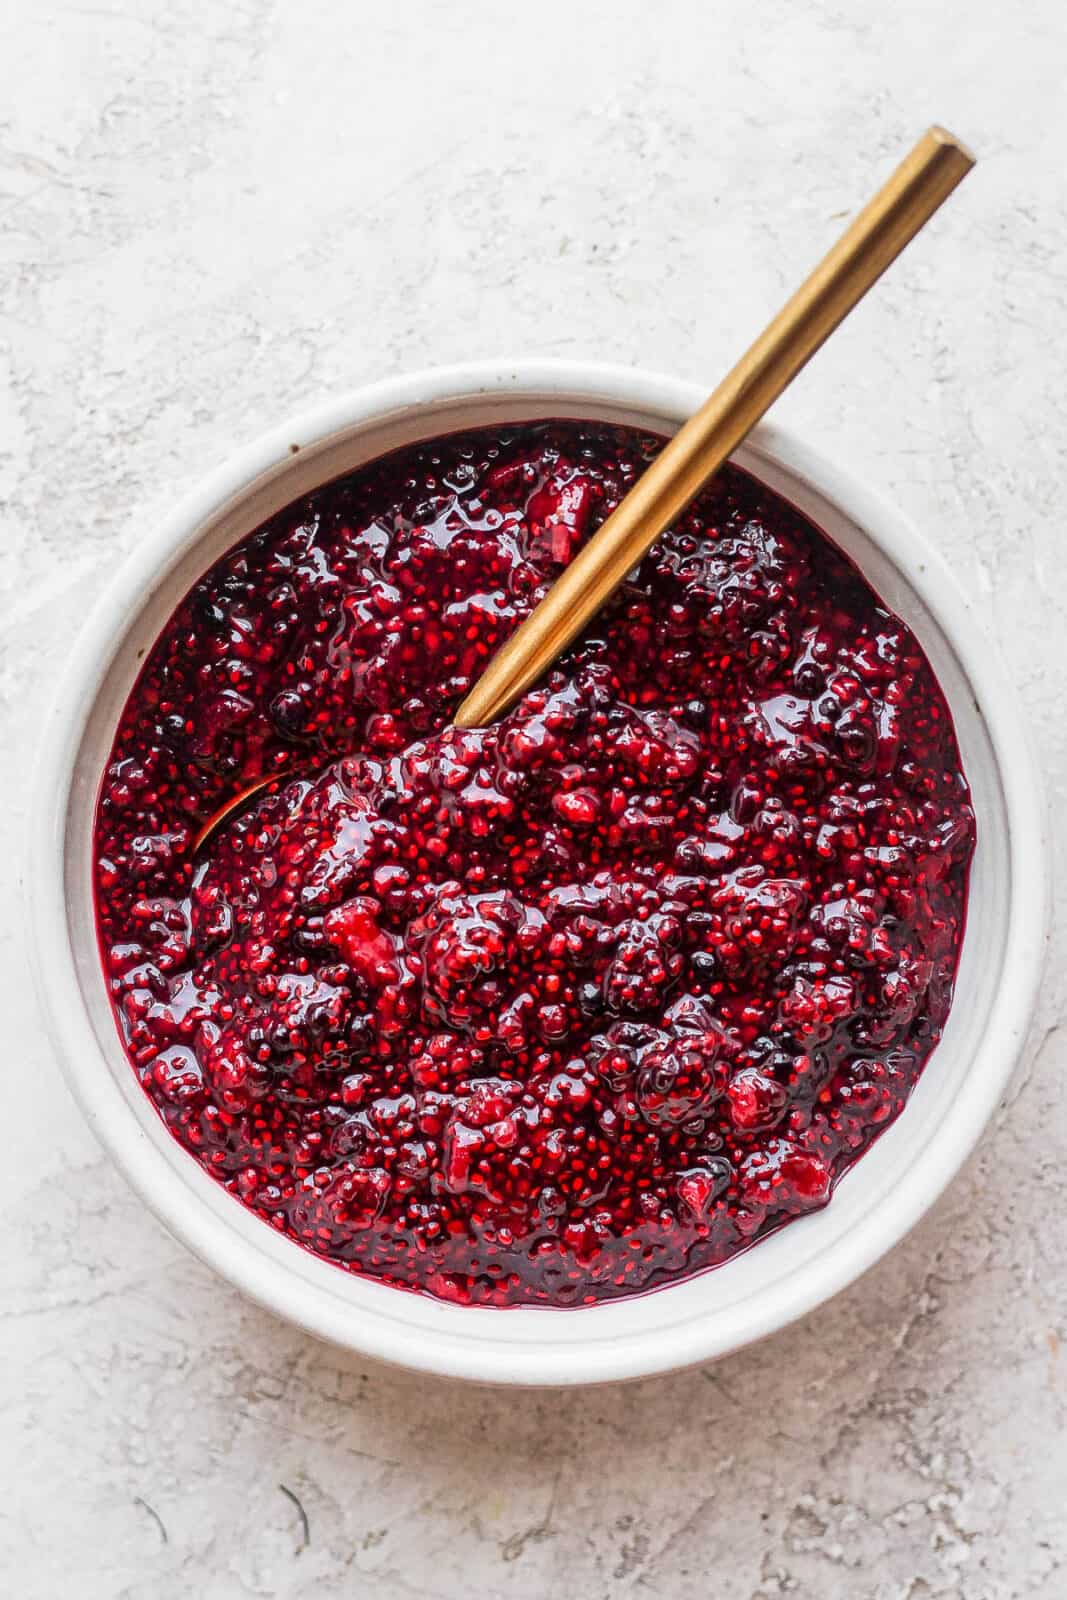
(477,1358)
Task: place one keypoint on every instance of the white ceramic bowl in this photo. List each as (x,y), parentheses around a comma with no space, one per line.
(784,1275)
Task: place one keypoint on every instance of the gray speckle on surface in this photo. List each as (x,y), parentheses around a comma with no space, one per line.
(212,215)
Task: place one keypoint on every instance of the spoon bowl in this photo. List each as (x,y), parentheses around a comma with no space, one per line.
(232,808)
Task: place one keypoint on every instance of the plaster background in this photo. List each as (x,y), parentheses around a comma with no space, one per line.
(211,215)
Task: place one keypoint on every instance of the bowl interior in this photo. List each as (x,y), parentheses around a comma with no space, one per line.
(752,1294)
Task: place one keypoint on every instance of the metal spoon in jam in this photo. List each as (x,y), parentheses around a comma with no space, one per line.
(918,187)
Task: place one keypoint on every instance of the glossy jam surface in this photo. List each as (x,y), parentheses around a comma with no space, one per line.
(569,1007)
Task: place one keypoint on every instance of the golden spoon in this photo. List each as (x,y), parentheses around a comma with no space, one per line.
(924,179)
(922,182)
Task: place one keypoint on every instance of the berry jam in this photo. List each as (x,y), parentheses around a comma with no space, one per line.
(571,1006)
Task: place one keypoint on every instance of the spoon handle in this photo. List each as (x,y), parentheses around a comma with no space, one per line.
(924,179)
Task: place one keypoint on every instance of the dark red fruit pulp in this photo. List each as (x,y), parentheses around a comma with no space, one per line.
(568,1007)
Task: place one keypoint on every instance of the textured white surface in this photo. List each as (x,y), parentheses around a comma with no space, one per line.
(213,214)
